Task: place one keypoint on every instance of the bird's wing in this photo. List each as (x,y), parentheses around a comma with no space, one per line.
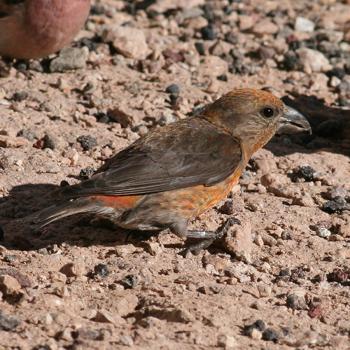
(188,153)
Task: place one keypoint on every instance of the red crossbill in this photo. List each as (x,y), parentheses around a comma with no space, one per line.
(177,172)
(37,28)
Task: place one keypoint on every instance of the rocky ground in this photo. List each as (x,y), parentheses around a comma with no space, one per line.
(282,278)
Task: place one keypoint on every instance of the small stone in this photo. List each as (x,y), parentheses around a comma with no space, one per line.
(128,41)
(312,60)
(255,334)
(126,340)
(265,26)
(70,58)
(245,22)
(227,208)
(89,334)
(264,290)
(214,66)
(130,281)
(303,172)
(9,285)
(75,269)
(87,142)
(118,115)
(86,173)
(8,323)
(173,89)
(101,270)
(20,96)
(296,301)
(303,24)
(239,241)
(208,33)
(105,316)
(341,276)
(323,232)
(200,48)
(49,141)
(153,248)
(27,134)
(270,334)
(254,328)
(337,205)
(227,341)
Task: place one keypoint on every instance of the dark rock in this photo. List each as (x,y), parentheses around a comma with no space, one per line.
(130,281)
(208,33)
(86,173)
(20,96)
(101,270)
(258,324)
(270,334)
(173,89)
(200,48)
(87,142)
(291,61)
(338,205)
(341,276)
(303,172)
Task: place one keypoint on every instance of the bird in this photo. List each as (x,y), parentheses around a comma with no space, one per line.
(176,172)
(32,29)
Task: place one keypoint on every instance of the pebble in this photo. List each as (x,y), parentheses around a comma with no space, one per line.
(323,232)
(270,334)
(130,281)
(265,26)
(303,24)
(128,41)
(227,342)
(255,329)
(87,142)
(239,241)
(101,270)
(313,61)
(304,172)
(8,323)
(173,89)
(296,301)
(70,58)
(264,290)
(86,173)
(208,33)
(9,285)
(118,115)
(337,205)
(75,269)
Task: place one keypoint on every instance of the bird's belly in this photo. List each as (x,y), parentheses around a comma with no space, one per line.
(159,210)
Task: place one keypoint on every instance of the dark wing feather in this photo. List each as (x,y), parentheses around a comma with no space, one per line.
(184,154)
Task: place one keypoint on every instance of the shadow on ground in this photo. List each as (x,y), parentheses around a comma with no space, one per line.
(23,201)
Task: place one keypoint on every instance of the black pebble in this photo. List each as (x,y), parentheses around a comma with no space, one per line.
(270,334)
(208,33)
(101,270)
(87,142)
(86,173)
(173,89)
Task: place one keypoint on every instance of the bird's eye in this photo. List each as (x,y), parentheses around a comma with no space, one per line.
(267,112)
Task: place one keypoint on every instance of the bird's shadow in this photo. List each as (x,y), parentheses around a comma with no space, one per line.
(17,231)
(330,128)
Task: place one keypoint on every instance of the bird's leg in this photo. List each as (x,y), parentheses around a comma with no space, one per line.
(206,237)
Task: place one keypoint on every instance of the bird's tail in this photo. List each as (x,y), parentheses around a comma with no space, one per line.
(72,207)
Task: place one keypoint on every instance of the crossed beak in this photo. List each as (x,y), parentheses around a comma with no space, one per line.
(293,122)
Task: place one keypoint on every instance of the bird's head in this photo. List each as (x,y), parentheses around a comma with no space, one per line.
(254,116)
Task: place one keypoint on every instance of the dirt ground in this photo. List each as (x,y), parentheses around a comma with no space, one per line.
(82,284)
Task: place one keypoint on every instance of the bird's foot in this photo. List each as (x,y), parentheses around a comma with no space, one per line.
(207,237)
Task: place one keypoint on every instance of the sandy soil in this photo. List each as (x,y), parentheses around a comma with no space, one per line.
(82,284)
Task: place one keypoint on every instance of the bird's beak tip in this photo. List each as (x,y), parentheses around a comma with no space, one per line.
(293,122)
